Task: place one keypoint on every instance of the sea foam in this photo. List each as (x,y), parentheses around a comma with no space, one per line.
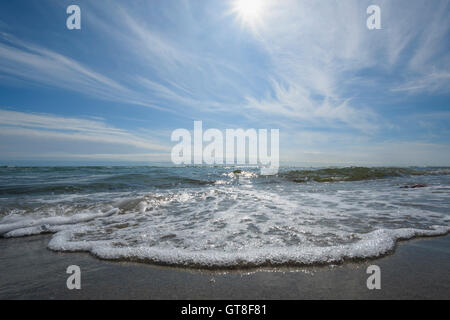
(372,245)
(241,220)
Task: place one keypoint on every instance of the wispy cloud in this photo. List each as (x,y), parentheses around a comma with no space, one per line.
(43,66)
(320,48)
(437,81)
(310,57)
(50,134)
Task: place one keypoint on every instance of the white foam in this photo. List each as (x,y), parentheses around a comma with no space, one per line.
(22,232)
(28,225)
(236,225)
(372,245)
(241,174)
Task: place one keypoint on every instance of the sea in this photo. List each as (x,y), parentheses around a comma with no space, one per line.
(225,217)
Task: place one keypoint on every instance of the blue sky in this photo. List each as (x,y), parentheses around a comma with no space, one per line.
(137,70)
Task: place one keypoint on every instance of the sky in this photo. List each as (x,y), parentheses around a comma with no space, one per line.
(114,91)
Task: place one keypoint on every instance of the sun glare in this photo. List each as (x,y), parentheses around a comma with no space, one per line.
(248,11)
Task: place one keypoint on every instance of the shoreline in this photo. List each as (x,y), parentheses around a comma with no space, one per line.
(249,267)
(416,269)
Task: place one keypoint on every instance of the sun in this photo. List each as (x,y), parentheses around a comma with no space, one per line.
(248,11)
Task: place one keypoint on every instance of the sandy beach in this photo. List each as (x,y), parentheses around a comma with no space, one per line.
(28,270)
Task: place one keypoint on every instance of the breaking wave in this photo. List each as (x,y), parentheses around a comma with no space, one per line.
(351,174)
(226,217)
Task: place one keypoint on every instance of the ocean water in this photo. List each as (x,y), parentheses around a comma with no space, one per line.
(225,217)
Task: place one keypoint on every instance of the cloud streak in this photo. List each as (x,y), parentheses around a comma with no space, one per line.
(51,134)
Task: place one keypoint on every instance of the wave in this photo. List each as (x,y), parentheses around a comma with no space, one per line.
(113,183)
(65,229)
(222,227)
(349,174)
(227,217)
(372,245)
(27,226)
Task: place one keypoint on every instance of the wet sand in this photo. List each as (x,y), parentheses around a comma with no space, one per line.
(419,269)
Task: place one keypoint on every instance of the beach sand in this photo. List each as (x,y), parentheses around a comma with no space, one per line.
(419,269)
